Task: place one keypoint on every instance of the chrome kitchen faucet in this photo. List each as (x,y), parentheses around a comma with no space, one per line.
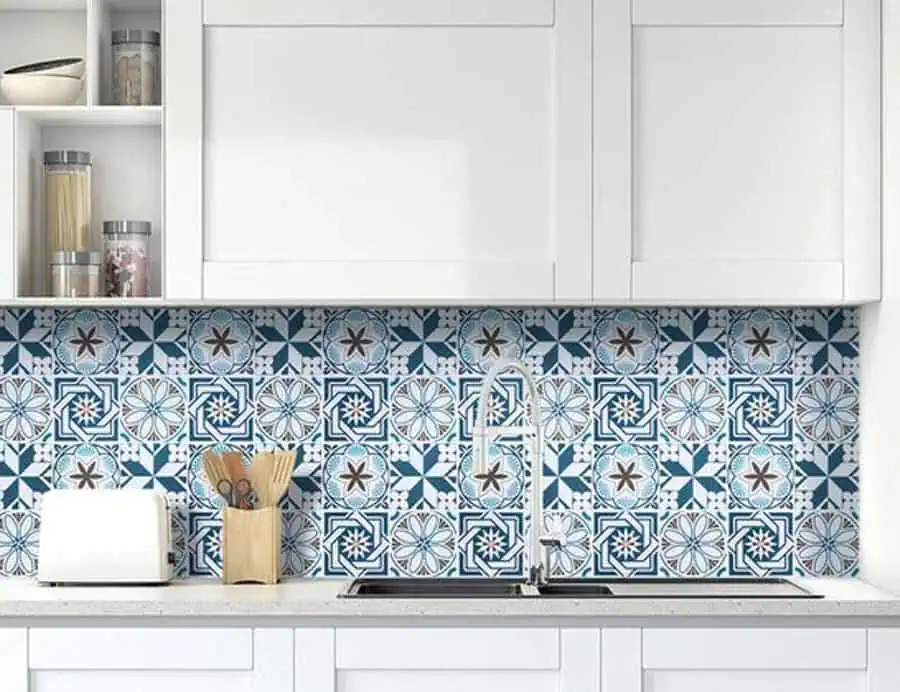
(540,543)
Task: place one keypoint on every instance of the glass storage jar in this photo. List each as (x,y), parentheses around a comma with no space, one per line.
(127,264)
(67,199)
(136,67)
(75,274)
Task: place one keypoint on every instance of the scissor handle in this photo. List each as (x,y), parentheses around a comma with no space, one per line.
(243,494)
(226,490)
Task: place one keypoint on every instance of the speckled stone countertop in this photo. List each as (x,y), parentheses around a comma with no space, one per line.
(319,599)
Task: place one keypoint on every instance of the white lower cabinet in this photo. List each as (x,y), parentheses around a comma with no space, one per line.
(447,660)
(113,659)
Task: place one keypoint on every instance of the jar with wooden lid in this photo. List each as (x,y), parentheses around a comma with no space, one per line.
(67,200)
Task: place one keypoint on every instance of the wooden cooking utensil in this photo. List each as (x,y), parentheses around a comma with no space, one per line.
(214,468)
(281,476)
(261,474)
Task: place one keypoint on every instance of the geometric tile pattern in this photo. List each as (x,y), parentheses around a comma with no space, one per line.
(678,441)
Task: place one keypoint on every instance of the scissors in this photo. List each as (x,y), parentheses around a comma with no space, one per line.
(239,495)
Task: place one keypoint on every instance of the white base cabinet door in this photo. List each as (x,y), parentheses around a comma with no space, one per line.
(152,659)
(749,660)
(447,660)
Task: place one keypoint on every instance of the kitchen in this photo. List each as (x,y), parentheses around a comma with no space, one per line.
(618,269)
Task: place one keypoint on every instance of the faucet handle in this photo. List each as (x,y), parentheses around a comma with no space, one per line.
(549,544)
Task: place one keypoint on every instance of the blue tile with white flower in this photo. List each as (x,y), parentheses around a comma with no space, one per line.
(678,441)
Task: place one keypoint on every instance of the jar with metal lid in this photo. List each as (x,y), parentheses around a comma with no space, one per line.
(127,264)
(67,200)
(75,274)
(136,67)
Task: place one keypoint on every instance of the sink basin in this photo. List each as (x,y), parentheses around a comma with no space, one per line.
(676,588)
(433,588)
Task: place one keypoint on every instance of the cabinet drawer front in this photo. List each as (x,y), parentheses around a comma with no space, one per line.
(754,649)
(140,649)
(380,12)
(447,649)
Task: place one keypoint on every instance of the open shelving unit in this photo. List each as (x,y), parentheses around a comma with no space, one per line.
(126,142)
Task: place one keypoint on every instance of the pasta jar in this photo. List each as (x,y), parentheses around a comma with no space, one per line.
(136,67)
(67,198)
(127,265)
(75,274)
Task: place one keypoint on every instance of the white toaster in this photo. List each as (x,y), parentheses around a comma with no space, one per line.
(104,537)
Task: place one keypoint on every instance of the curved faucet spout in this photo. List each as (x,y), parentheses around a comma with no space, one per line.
(484,435)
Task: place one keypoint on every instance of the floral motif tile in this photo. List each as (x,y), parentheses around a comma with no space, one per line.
(677,441)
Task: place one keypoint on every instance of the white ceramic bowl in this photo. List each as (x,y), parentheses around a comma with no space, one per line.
(58,67)
(40,90)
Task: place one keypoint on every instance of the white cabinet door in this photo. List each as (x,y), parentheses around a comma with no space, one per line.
(737,151)
(744,660)
(7,203)
(447,660)
(109,659)
(376,151)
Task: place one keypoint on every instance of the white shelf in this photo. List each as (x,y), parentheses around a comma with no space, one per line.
(41,5)
(86,302)
(94,116)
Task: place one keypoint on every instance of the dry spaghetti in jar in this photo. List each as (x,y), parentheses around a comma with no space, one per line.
(127,262)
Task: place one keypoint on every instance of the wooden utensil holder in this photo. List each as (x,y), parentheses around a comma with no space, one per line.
(251,545)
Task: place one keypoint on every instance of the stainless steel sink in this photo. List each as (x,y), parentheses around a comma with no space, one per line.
(581,588)
(433,588)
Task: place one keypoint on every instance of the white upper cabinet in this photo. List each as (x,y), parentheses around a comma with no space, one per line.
(389,150)
(736,151)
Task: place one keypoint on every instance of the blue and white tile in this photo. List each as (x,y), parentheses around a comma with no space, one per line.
(154,409)
(574,532)
(19,532)
(486,336)
(154,341)
(827,474)
(626,342)
(86,409)
(162,467)
(626,544)
(306,491)
(289,341)
(500,484)
(761,341)
(761,476)
(221,342)
(301,544)
(693,476)
(86,466)
(568,475)
(356,476)
(626,409)
(25,473)
(693,408)
(827,408)
(565,404)
(423,476)
(86,342)
(180,528)
(423,409)
(761,409)
(491,544)
(356,341)
(423,341)
(26,408)
(221,409)
(205,543)
(560,340)
(761,544)
(828,341)
(626,476)
(693,341)
(692,544)
(356,408)
(26,343)
(356,544)
(423,543)
(288,409)
(827,544)
(506,404)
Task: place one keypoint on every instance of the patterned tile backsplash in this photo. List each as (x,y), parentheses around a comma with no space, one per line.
(695,442)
